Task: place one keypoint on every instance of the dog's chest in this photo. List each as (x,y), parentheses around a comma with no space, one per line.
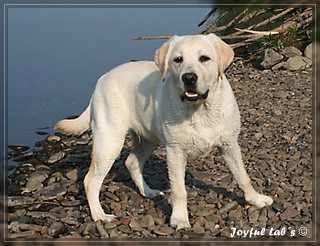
(198,137)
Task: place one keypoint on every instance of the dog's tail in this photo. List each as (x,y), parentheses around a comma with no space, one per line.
(75,126)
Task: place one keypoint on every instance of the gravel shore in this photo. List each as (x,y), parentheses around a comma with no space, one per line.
(46,198)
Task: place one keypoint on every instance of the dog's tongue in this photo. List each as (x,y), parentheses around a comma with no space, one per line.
(191,94)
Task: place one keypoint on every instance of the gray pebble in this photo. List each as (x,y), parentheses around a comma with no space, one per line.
(56,229)
(52,191)
(56,157)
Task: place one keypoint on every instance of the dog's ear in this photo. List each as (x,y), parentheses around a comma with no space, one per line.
(161,57)
(224,52)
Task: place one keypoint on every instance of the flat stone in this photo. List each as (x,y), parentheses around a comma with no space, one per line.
(18,147)
(110,225)
(52,191)
(135,225)
(29,227)
(14,201)
(163,231)
(101,230)
(277,66)
(56,157)
(294,63)
(307,60)
(308,51)
(270,58)
(253,214)
(23,157)
(24,234)
(56,229)
(230,206)
(291,51)
(72,175)
(35,180)
(258,135)
(70,203)
(288,213)
(148,221)
(53,138)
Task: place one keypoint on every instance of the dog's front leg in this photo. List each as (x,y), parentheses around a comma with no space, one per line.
(232,154)
(176,169)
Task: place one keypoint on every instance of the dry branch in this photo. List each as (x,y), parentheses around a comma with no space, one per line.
(239,28)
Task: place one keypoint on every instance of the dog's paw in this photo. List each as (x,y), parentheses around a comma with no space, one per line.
(104,217)
(151,193)
(260,200)
(179,223)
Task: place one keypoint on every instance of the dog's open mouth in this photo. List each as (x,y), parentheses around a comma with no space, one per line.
(193,96)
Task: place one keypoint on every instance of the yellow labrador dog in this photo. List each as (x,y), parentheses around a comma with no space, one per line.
(193,110)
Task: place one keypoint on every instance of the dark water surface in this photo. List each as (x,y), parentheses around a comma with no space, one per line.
(56,55)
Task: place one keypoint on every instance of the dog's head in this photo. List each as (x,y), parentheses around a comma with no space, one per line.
(195,63)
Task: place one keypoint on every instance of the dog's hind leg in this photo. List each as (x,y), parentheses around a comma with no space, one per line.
(107,144)
(135,163)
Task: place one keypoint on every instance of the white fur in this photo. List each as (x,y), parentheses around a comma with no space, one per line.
(133,97)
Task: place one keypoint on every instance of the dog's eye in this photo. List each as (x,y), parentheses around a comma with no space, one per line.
(178,59)
(203,59)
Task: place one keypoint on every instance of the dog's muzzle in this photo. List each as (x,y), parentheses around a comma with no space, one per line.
(194,96)
(190,85)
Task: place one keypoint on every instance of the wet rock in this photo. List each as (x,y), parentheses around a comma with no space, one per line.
(53,138)
(23,157)
(35,180)
(52,191)
(56,157)
(20,148)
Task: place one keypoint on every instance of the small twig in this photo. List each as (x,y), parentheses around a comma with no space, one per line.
(263,33)
(252,14)
(238,36)
(152,37)
(272,18)
(211,13)
(250,40)
(221,28)
(215,21)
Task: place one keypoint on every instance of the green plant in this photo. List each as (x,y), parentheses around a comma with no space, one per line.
(294,30)
(273,41)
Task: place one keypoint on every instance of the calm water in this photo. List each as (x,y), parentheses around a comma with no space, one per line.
(56,55)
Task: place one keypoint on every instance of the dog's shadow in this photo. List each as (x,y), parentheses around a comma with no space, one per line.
(156,176)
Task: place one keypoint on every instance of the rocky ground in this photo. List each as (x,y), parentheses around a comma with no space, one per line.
(46,198)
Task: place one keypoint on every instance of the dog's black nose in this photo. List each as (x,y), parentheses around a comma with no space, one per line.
(189,78)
